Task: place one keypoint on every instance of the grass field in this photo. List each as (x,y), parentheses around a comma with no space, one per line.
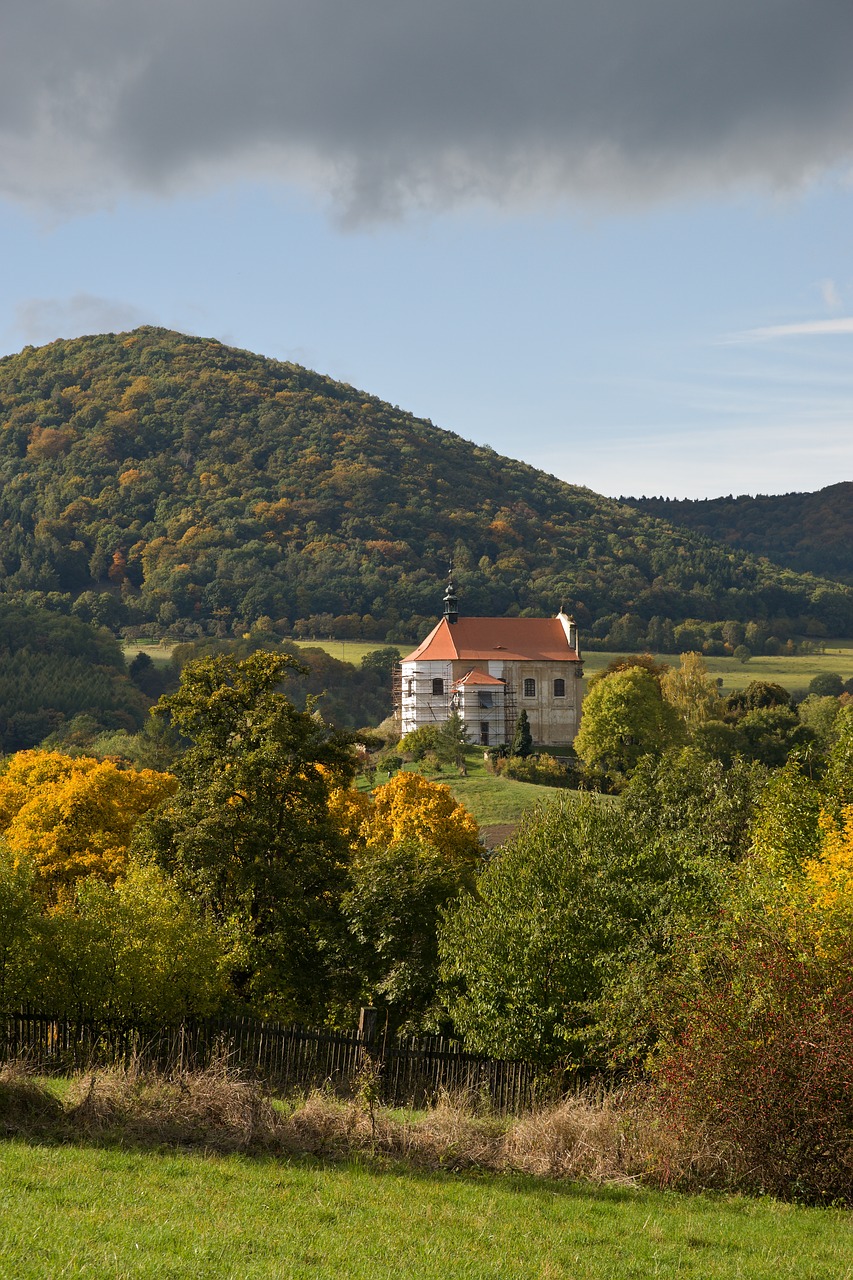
(793,673)
(491,799)
(160,653)
(108,1212)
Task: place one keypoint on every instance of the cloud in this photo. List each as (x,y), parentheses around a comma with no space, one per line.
(40,320)
(831,295)
(385,105)
(801,329)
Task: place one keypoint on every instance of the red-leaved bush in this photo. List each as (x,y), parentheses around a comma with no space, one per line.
(757,1044)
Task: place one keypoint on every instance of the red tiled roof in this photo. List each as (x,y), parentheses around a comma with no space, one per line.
(478,678)
(507,639)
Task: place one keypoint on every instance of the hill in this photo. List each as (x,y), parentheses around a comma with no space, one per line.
(155,481)
(808,532)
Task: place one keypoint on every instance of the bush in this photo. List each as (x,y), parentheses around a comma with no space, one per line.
(417,743)
(763,1054)
(545,770)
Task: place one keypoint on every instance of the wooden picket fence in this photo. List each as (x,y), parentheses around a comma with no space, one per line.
(405,1072)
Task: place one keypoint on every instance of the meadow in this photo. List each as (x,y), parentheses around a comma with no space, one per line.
(91,1211)
(791,672)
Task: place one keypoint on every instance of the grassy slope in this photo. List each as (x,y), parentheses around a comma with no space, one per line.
(77,1211)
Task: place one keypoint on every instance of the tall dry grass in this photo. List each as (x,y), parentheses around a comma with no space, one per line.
(601,1137)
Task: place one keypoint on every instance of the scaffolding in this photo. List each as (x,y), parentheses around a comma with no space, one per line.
(416,703)
(415,697)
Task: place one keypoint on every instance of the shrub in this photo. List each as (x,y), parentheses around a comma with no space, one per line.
(545,770)
(420,741)
(762,1051)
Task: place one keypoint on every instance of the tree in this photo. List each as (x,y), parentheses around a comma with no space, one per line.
(453,740)
(20,930)
(522,738)
(692,691)
(249,830)
(819,714)
(139,950)
(758,694)
(413,848)
(396,896)
(624,718)
(828,684)
(74,816)
(408,808)
(525,959)
(382,662)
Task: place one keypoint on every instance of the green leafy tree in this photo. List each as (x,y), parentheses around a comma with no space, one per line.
(452,740)
(393,908)
(819,714)
(524,961)
(140,951)
(382,662)
(20,930)
(249,830)
(522,738)
(624,718)
(828,684)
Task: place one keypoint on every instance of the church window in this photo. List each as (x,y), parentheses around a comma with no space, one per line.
(437,686)
(529,688)
(559,688)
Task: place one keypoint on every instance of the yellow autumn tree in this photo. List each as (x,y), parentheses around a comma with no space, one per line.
(73,816)
(829,876)
(408,809)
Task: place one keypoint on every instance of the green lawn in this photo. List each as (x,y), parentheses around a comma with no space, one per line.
(491,799)
(793,673)
(109,1213)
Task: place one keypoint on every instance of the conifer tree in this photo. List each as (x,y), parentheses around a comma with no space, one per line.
(522,739)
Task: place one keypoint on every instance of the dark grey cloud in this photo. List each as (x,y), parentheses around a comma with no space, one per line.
(388,104)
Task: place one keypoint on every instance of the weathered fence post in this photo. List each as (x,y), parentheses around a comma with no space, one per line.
(368,1021)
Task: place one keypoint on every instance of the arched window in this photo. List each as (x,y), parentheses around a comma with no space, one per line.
(559,688)
(410,690)
(529,688)
(437,686)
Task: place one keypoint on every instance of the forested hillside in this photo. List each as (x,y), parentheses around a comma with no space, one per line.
(53,669)
(151,480)
(809,532)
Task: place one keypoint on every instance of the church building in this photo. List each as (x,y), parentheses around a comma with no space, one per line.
(490,669)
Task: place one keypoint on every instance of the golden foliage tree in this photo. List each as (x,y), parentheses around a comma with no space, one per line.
(73,816)
(408,809)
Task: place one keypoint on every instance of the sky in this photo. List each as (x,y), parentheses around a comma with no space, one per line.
(612,239)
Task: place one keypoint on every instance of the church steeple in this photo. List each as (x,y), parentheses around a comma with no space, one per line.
(451,606)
